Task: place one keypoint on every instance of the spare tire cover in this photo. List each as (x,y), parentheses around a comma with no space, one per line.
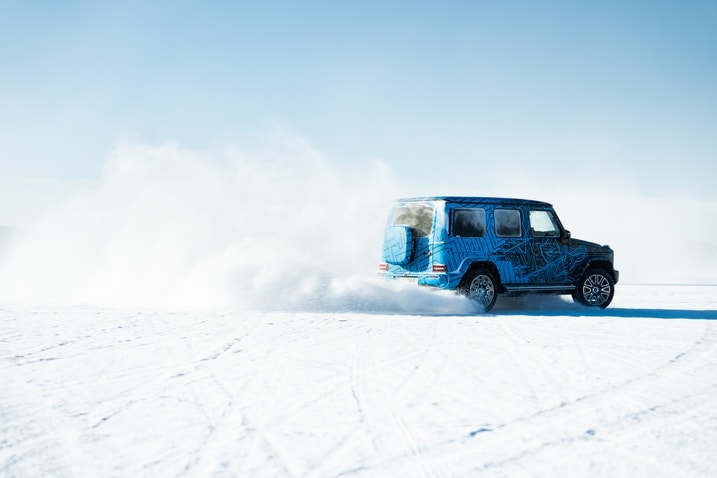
(398,245)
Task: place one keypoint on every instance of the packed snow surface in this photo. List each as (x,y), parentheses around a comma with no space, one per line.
(539,387)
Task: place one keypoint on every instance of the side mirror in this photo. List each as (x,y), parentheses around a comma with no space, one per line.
(565,237)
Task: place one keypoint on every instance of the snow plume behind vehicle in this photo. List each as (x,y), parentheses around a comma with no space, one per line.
(278,229)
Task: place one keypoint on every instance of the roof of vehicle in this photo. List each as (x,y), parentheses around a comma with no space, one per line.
(478,200)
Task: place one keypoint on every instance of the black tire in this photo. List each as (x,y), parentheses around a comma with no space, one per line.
(576,297)
(481,287)
(595,289)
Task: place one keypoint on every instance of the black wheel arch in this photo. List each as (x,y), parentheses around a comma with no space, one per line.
(482,265)
(598,264)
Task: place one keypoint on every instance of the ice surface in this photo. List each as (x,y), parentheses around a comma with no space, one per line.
(539,388)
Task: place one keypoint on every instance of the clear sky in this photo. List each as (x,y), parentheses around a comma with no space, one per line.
(451,93)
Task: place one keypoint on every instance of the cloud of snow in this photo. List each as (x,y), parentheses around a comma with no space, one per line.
(279,226)
(274,228)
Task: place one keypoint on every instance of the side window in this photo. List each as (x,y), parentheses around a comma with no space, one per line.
(507,222)
(542,224)
(469,222)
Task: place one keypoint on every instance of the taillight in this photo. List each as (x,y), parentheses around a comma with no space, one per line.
(439,268)
(383,267)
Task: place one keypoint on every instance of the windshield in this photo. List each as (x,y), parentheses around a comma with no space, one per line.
(419,217)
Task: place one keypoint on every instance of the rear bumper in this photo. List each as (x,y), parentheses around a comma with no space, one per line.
(433,280)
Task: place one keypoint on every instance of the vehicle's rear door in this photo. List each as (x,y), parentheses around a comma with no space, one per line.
(512,250)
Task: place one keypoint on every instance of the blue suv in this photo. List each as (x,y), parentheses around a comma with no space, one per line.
(483,247)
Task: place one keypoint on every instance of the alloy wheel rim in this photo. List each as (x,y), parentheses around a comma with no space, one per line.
(596,289)
(482,290)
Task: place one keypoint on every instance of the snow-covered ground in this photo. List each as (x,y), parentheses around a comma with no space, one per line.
(539,387)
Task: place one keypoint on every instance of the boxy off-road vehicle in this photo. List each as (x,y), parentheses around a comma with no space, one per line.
(483,247)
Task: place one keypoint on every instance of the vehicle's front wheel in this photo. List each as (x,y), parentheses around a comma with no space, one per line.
(481,287)
(595,289)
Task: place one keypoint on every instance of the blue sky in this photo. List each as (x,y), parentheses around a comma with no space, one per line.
(450,94)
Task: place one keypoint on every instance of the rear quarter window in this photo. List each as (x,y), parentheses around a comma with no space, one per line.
(469,222)
(507,222)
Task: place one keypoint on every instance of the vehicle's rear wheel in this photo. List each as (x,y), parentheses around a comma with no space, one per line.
(481,287)
(595,289)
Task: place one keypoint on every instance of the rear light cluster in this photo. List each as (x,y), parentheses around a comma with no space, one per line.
(383,267)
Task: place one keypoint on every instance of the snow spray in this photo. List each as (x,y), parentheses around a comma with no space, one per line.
(281,228)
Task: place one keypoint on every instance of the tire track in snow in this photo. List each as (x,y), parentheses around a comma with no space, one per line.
(172,377)
(232,444)
(236,439)
(292,376)
(392,440)
(613,410)
(415,453)
(425,366)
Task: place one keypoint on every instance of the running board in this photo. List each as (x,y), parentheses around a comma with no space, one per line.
(540,288)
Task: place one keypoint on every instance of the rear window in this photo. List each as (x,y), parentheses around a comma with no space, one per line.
(507,222)
(419,217)
(469,222)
